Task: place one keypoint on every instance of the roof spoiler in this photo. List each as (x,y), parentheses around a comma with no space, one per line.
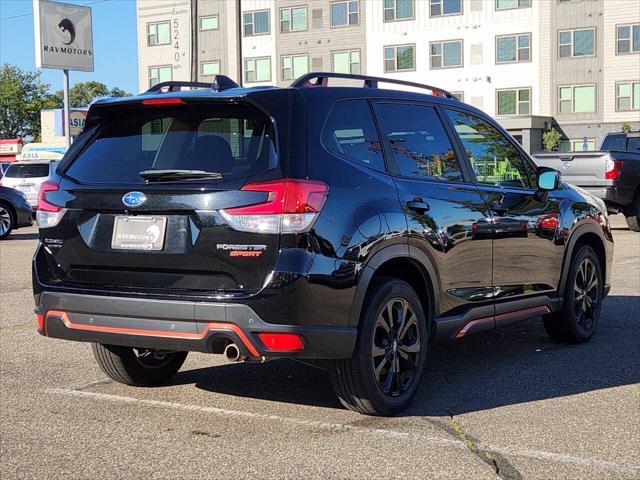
(219,84)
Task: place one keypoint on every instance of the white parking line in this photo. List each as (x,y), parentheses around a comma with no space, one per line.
(377,432)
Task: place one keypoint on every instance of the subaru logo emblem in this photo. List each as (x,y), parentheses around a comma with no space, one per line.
(134,199)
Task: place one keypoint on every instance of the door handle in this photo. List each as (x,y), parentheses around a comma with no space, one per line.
(418,205)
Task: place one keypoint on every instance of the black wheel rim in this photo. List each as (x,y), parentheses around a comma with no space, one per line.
(151,358)
(396,347)
(586,295)
(5,220)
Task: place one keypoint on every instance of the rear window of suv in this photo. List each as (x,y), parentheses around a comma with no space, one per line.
(28,171)
(230,140)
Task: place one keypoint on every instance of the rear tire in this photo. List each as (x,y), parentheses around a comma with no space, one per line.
(390,355)
(137,367)
(583,294)
(7,221)
(632,215)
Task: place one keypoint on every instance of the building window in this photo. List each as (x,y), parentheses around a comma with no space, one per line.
(344,14)
(398,10)
(209,23)
(159,74)
(509,4)
(399,58)
(210,68)
(446,54)
(627,96)
(256,23)
(513,102)
(294,66)
(441,8)
(577,99)
(293,19)
(513,48)
(158,34)
(577,145)
(257,69)
(628,39)
(576,43)
(346,62)
(458,95)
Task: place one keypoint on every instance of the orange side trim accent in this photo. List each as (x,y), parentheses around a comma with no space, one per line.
(157,333)
(502,316)
(473,323)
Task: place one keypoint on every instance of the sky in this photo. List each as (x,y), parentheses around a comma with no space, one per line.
(114,42)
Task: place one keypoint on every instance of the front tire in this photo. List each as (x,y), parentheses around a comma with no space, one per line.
(137,367)
(580,314)
(390,355)
(7,221)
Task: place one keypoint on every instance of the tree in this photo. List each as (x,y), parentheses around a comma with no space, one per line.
(551,139)
(626,127)
(83,93)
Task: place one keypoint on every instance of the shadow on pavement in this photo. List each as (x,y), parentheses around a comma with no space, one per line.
(23,236)
(516,364)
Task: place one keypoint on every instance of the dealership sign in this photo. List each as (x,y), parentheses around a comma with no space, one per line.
(64,37)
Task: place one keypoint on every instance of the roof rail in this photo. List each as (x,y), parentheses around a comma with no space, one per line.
(322,80)
(220,83)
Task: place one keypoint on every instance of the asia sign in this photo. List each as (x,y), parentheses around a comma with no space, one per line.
(64,37)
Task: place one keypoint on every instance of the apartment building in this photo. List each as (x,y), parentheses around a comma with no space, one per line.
(533,64)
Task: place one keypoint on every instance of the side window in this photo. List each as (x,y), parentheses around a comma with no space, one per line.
(493,157)
(419,142)
(351,133)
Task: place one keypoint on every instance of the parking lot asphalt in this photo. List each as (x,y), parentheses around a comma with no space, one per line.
(507,404)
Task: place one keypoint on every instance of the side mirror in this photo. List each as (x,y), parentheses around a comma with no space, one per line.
(548,179)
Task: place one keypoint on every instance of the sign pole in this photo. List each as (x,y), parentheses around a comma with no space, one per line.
(67,123)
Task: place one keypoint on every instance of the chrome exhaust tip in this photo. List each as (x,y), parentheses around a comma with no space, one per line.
(232,353)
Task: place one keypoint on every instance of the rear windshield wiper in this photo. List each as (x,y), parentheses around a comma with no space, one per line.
(176,174)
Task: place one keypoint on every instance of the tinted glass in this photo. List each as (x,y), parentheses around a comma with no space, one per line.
(226,140)
(351,133)
(419,142)
(634,144)
(614,143)
(494,159)
(28,171)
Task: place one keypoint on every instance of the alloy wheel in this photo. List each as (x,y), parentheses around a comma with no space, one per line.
(396,347)
(586,295)
(5,220)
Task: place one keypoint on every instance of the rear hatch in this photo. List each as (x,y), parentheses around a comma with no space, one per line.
(27,178)
(137,219)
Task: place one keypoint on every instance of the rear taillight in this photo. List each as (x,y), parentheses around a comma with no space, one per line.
(291,207)
(613,169)
(48,214)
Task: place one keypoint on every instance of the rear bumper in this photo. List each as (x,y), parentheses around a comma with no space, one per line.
(180,325)
(616,196)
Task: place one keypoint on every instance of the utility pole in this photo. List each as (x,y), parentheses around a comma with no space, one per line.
(239,37)
(66,121)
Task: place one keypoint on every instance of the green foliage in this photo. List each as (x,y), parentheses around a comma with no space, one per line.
(551,139)
(626,127)
(22,96)
(83,93)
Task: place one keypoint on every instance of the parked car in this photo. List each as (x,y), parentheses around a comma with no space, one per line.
(612,173)
(15,212)
(27,176)
(3,168)
(311,222)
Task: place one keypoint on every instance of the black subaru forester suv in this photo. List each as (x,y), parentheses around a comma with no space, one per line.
(349,224)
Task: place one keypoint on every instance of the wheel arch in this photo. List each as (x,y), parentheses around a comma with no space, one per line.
(399,261)
(585,234)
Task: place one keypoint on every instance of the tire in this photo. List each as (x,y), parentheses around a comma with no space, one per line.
(7,221)
(355,381)
(632,215)
(137,367)
(580,314)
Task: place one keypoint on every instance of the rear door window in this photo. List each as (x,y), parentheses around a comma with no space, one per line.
(419,142)
(351,133)
(28,171)
(234,141)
